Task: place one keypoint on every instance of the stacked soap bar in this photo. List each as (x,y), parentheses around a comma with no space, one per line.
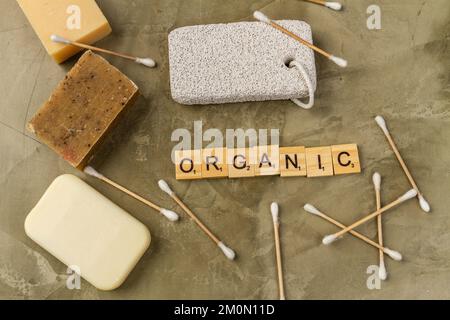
(87,232)
(77,20)
(83,108)
(267,160)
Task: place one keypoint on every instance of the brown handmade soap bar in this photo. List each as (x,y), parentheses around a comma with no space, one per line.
(83,108)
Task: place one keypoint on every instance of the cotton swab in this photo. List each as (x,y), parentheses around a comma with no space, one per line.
(263,18)
(382,124)
(276,227)
(332,237)
(376,178)
(391,253)
(228,252)
(172,216)
(331,5)
(148,62)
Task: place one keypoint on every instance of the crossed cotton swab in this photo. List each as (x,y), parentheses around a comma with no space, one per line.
(172,216)
(263,18)
(376,178)
(391,253)
(276,228)
(382,124)
(332,5)
(228,252)
(332,237)
(148,62)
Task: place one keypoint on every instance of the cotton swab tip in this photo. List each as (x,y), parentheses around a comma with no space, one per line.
(376,181)
(393,254)
(59,39)
(339,61)
(333,5)
(408,195)
(329,239)
(424,203)
(165,187)
(169,214)
(146,62)
(92,172)
(311,209)
(382,274)
(258,15)
(228,252)
(382,124)
(274,211)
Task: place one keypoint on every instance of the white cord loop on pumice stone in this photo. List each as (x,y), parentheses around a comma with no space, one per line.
(308,82)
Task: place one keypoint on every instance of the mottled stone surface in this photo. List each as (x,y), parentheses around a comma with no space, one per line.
(400,71)
(239,62)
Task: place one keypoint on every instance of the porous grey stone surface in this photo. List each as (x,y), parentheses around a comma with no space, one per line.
(235,62)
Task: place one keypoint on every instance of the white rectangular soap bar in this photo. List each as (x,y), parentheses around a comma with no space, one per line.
(82,228)
(244,61)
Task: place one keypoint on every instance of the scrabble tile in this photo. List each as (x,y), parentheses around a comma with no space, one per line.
(345,159)
(319,162)
(214,163)
(188,165)
(241,162)
(267,161)
(292,161)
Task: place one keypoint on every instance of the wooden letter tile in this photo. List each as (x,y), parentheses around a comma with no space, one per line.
(292,161)
(214,163)
(241,162)
(319,162)
(188,164)
(345,159)
(267,161)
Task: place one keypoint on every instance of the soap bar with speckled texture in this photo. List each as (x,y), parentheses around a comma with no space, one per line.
(83,108)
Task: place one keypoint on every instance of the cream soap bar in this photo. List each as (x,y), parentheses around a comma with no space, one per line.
(82,228)
(77,20)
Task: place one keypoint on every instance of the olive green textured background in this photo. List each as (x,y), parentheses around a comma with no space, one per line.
(400,72)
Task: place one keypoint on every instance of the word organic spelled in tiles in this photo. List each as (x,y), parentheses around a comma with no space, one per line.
(267,160)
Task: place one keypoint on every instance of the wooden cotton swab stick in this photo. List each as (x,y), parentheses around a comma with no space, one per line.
(172,216)
(332,237)
(228,252)
(391,253)
(148,62)
(382,124)
(263,18)
(331,5)
(376,178)
(276,227)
